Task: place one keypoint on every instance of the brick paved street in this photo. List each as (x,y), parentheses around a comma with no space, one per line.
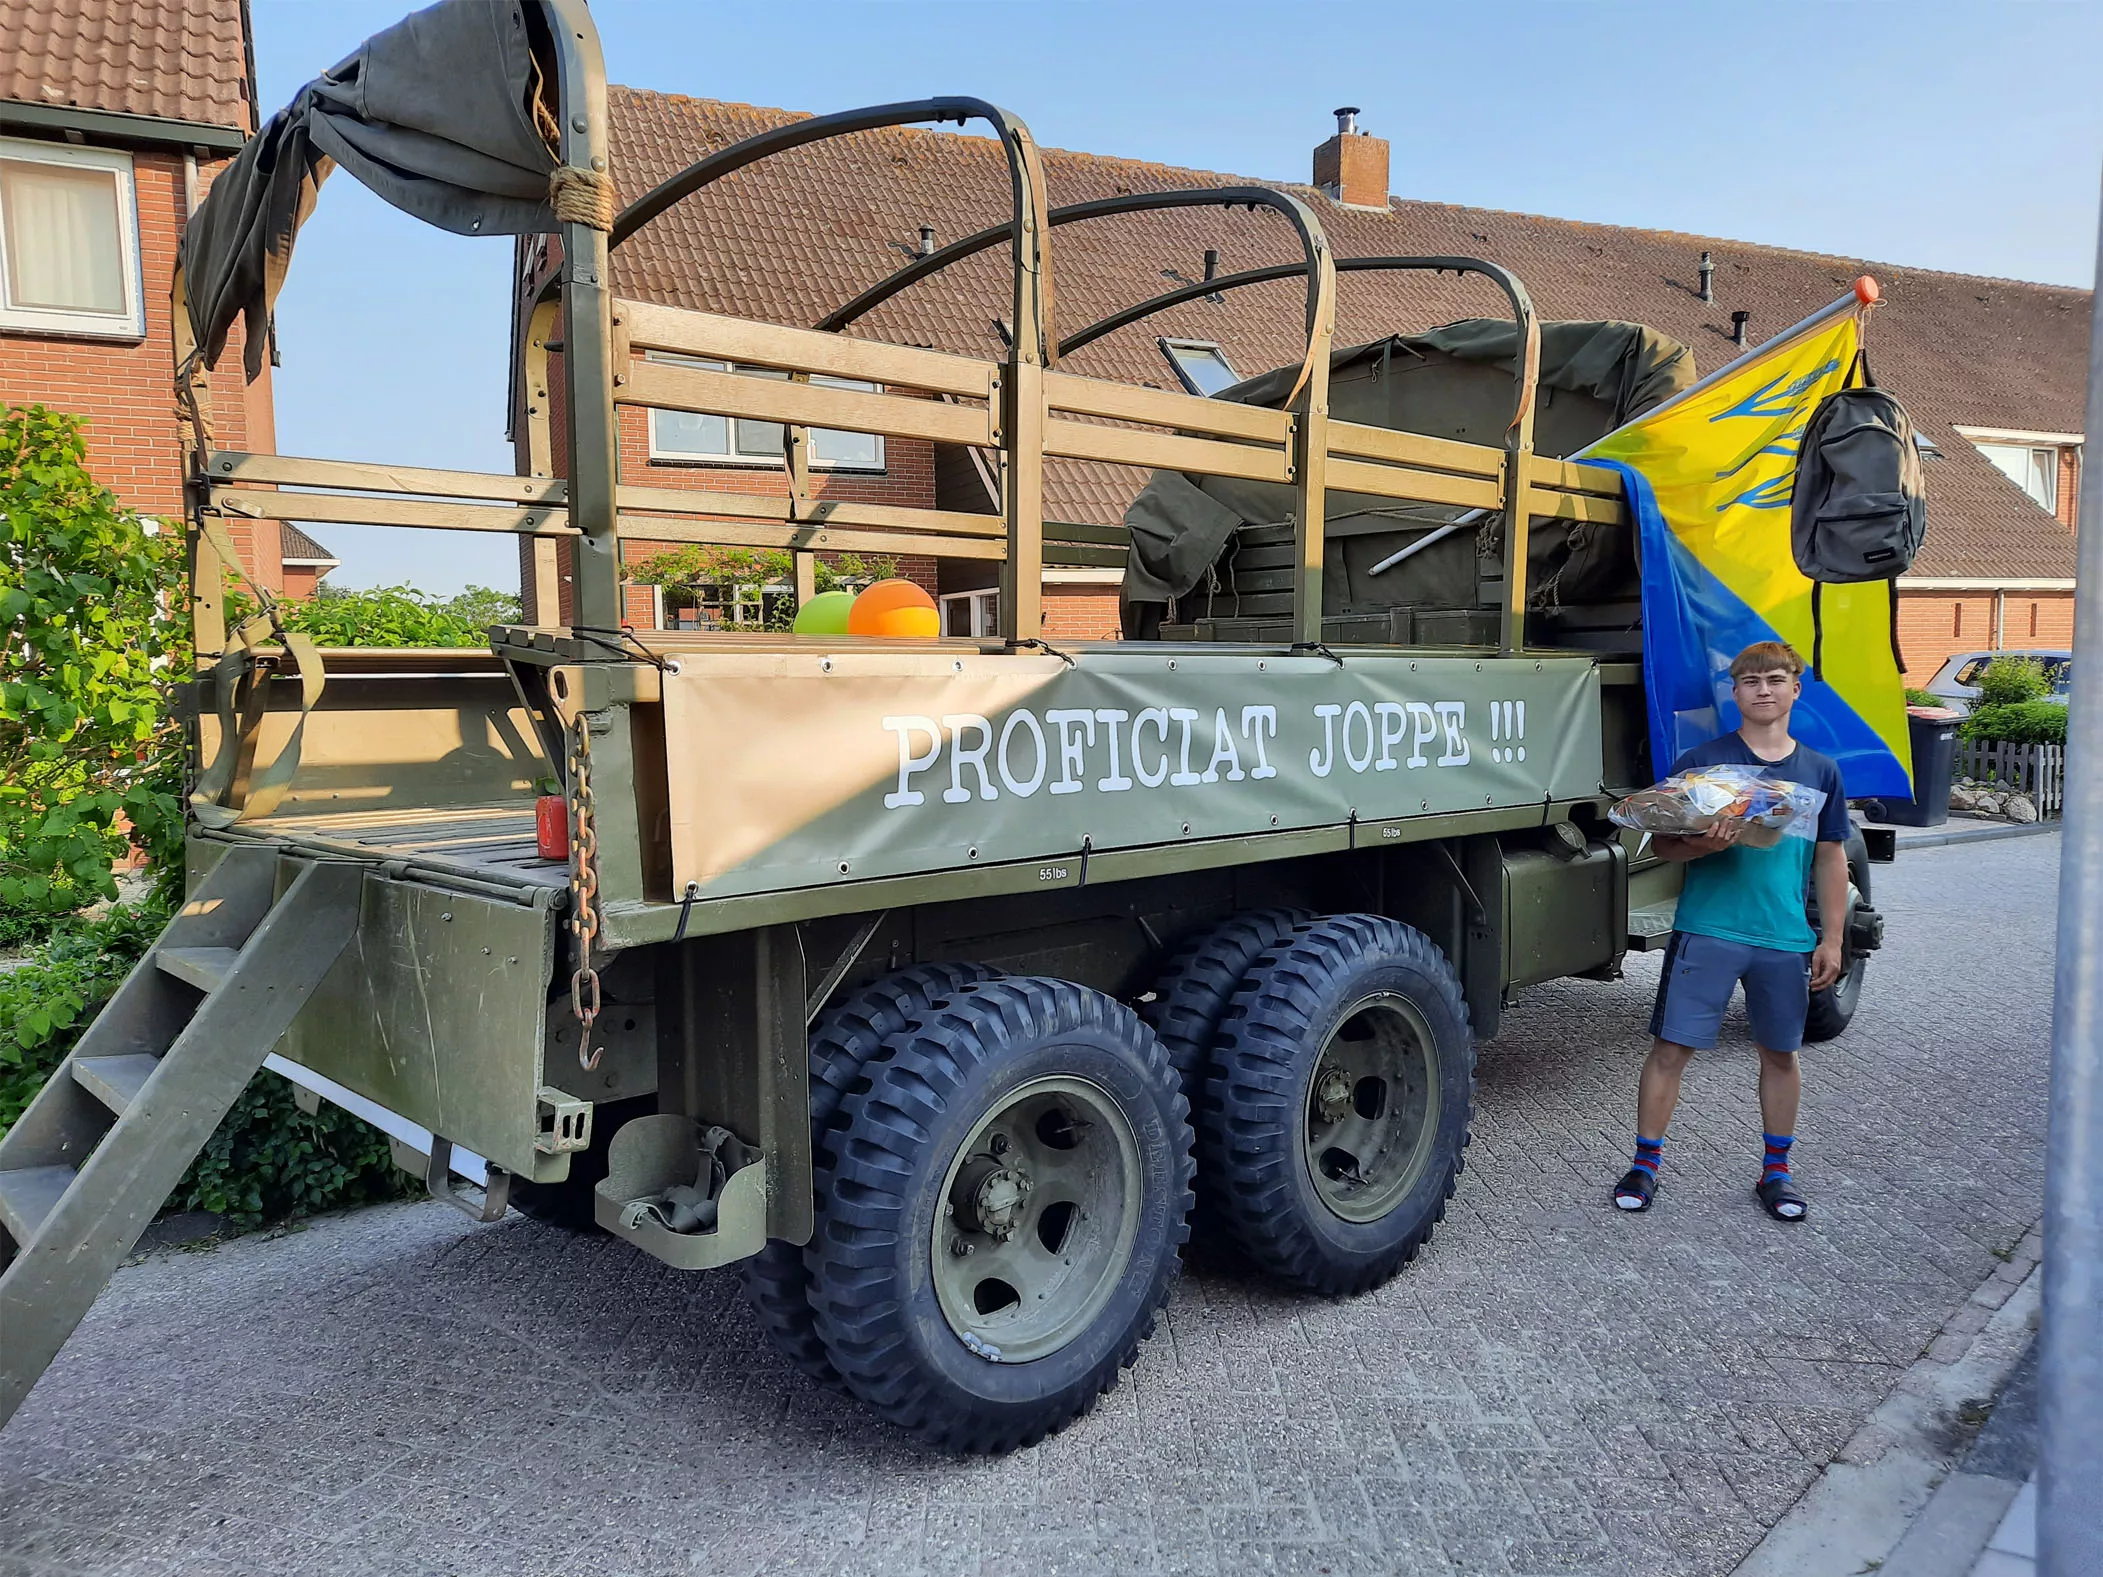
(1552,1388)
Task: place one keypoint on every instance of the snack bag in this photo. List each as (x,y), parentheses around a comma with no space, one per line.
(1765,809)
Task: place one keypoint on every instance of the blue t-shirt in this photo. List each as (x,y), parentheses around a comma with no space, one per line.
(1756,896)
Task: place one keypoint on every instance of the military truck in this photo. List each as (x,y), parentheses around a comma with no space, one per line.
(927,981)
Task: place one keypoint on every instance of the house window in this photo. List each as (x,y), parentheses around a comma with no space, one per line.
(1202,365)
(971,613)
(1957,620)
(69,240)
(725,440)
(2032,467)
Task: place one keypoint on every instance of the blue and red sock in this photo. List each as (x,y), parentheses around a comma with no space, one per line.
(1648,1153)
(1777,1164)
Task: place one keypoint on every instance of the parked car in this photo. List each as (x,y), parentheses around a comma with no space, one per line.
(1956,682)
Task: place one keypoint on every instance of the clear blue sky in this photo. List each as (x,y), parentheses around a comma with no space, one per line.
(1962,137)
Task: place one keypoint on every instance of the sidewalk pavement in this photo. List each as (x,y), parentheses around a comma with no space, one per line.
(1919,1488)
(2013,1549)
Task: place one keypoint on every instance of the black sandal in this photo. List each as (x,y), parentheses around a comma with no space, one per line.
(1635,1191)
(1779,1198)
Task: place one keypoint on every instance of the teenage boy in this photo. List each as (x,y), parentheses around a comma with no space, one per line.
(1741,919)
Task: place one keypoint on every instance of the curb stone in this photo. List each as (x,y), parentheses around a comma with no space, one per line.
(1982,832)
(1854,1516)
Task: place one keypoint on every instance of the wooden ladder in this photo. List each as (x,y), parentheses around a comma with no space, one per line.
(106,1140)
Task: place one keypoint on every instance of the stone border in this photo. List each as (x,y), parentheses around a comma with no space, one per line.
(1985,832)
(1853,1518)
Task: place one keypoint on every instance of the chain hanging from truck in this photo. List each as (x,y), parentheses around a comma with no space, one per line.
(584,891)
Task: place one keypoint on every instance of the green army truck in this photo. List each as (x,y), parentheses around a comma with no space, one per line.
(928,981)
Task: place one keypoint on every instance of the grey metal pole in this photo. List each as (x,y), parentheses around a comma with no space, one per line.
(2070,1371)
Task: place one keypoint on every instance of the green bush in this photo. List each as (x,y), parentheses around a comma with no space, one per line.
(392,616)
(1924,698)
(267,1162)
(88,755)
(86,746)
(47,1000)
(2021,723)
(2010,681)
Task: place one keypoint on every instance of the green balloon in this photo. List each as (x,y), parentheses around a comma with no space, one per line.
(825,614)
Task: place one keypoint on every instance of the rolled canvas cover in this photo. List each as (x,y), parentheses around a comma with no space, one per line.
(1453,382)
(447,115)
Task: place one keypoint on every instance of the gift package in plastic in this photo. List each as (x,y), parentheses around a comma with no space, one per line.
(1763,809)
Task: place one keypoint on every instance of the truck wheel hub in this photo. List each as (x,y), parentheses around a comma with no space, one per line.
(990,1197)
(1332,1093)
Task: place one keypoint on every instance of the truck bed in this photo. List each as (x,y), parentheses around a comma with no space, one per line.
(483,843)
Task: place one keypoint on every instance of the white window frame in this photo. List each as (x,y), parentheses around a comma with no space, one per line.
(1982,438)
(661,455)
(983,610)
(1169,347)
(2045,457)
(131,323)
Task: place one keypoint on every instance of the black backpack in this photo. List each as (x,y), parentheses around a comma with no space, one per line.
(1860,505)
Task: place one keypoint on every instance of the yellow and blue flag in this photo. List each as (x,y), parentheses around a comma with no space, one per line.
(1710,479)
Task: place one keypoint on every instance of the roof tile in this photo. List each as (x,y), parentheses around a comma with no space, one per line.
(171,59)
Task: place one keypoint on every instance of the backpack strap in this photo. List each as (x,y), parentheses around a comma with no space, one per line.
(1897,656)
(1860,365)
(1818,630)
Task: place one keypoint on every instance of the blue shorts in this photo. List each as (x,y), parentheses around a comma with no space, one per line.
(1700,973)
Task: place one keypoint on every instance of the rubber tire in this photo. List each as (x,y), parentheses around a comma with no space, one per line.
(1268,1045)
(1198,980)
(880,1174)
(568,1204)
(774,1282)
(1833,1009)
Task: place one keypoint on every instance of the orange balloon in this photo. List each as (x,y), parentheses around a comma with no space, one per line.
(896,608)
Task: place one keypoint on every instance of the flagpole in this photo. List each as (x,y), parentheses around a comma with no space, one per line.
(1863,296)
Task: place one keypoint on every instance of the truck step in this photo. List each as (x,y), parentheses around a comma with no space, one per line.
(202,967)
(28,1196)
(76,1186)
(114,1081)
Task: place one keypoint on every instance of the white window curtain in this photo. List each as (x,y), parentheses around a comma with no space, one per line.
(64,237)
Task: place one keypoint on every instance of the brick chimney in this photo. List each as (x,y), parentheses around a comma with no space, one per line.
(1351,167)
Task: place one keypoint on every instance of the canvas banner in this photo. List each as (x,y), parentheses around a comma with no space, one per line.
(791,771)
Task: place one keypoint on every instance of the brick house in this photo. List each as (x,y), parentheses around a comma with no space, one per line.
(115,115)
(1993,371)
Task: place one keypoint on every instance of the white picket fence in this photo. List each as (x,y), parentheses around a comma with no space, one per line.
(2036,770)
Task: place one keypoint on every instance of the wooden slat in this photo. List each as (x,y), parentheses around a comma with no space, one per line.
(355,509)
(825,512)
(738,534)
(1549,505)
(1400,448)
(1425,487)
(1074,531)
(1575,478)
(292,471)
(1165,451)
(655,327)
(695,501)
(1164,408)
(668,387)
(1074,557)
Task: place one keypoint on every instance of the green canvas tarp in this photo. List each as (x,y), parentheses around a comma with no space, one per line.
(1452,382)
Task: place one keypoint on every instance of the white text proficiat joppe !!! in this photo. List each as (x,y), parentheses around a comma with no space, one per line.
(1112,750)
